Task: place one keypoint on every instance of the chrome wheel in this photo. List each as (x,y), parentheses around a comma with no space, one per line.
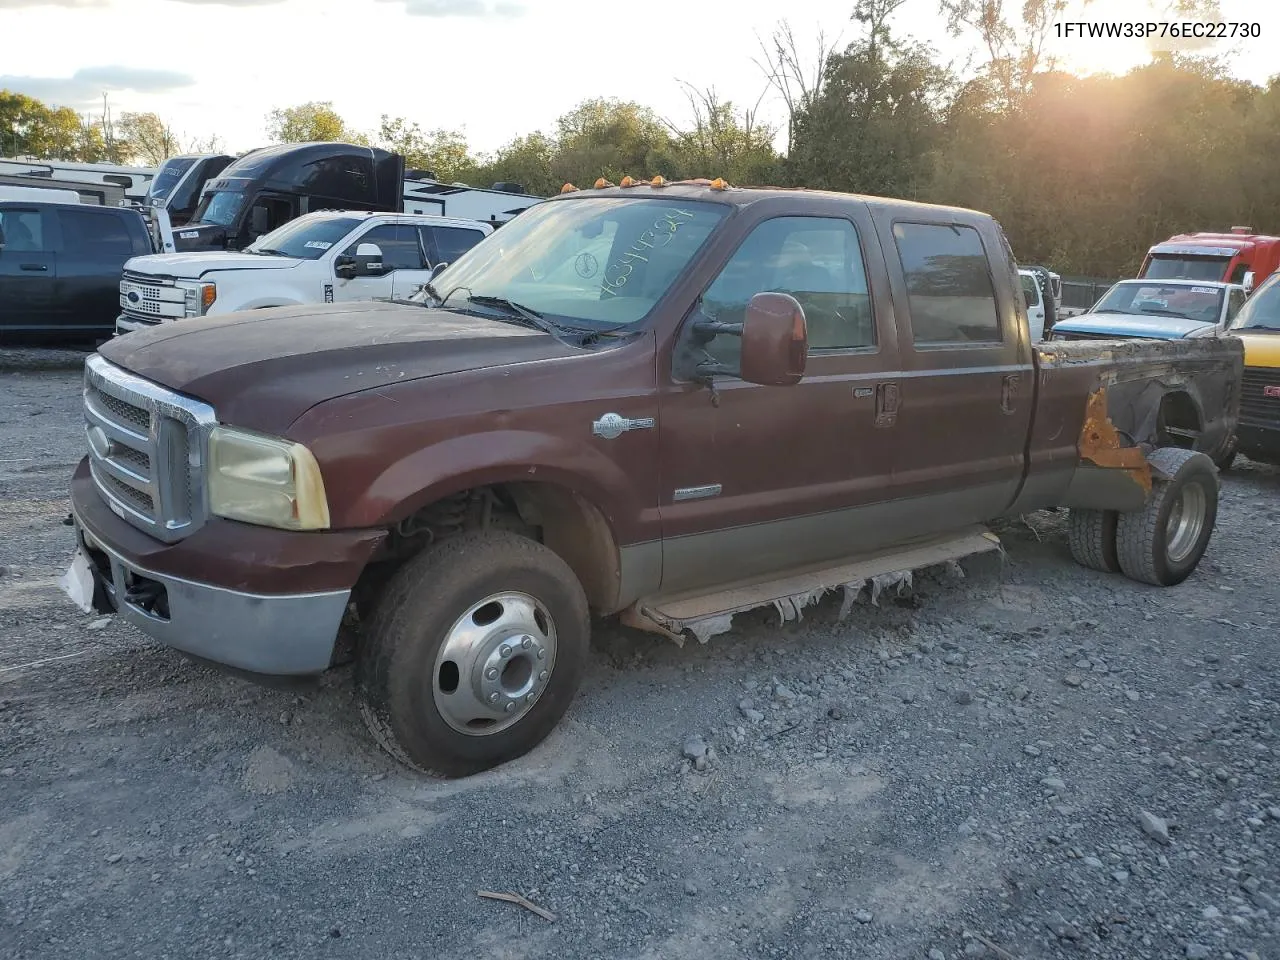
(494,664)
(1186,522)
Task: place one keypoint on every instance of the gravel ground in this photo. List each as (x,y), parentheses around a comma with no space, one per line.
(1035,761)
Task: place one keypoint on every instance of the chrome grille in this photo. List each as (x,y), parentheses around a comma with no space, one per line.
(157,298)
(1256,408)
(146,450)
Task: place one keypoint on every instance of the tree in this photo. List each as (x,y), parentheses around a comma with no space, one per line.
(724,141)
(147,138)
(443,152)
(525,160)
(308,122)
(785,68)
(611,138)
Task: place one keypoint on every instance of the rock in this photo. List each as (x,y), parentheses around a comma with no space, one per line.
(784,694)
(1093,862)
(936,954)
(1210,913)
(925,646)
(1166,760)
(1073,679)
(115,857)
(1019,693)
(963,697)
(1154,827)
(100,624)
(1054,784)
(9,772)
(695,748)
(1031,751)
(1223,774)
(975,948)
(863,916)
(1133,695)
(1197,951)
(747,708)
(954,659)
(690,888)
(1119,876)
(1062,928)
(1273,813)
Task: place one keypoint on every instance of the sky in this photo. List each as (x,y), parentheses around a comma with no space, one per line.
(492,68)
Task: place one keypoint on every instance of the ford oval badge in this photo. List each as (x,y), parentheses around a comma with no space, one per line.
(134,297)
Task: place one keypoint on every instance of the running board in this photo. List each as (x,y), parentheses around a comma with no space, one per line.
(707,614)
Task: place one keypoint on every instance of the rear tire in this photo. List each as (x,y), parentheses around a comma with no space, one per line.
(1162,543)
(1092,537)
(473,654)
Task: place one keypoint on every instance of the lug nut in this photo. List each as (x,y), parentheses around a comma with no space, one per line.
(491,674)
(493,697)
(542,654)
(529,698)
(504,651)
(510,706)
(527,642)
(542,675)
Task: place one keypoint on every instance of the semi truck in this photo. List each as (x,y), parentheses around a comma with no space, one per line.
(268,187)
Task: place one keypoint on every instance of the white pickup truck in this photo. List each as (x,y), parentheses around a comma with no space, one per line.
(323,257)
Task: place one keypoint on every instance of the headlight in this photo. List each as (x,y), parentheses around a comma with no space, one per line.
(199,298)
(265,480)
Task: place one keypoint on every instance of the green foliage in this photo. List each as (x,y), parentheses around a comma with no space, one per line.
(308,122)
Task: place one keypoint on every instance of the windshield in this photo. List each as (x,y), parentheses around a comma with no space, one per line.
(1262,310)
(1203,304)
(1187,268)
(306,238)
(598,261)
(163,183)
(1030,291)
(221,208)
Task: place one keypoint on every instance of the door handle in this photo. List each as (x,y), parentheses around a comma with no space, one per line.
(1009,392)
(42,267)
(886,404)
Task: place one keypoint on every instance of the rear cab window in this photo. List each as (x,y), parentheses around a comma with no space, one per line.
(92,234)
(23,230)
(950,293)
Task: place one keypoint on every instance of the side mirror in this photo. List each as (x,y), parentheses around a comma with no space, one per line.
(775,344)
(369,260)
(775,340)
(1247,283)
(438,269)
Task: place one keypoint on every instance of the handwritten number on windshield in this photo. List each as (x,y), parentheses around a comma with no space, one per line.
(659,235)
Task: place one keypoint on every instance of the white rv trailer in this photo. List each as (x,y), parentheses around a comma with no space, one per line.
(134,180)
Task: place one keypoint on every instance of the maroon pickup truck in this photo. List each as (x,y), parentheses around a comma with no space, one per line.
(670,402)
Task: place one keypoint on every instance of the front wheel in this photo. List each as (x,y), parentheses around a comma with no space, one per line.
(1163,543)
(473,654)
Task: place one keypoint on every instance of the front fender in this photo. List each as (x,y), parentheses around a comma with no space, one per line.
(485,458)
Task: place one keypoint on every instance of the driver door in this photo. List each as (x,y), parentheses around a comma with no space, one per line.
(404,265)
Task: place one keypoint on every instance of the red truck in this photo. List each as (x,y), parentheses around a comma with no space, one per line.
(1240,256)
(668,402)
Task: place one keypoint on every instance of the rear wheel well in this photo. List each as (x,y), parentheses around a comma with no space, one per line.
(1179,423)
(559,518)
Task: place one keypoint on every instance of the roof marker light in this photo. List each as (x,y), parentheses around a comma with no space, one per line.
(602,183)
(568,188)
(627,182)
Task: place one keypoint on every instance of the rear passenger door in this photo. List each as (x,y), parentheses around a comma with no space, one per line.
(95,245)
(28,269)
(966,392)
(447,244)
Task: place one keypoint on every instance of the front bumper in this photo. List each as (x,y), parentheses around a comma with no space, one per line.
(1259,442)
(127,324)
(246,621)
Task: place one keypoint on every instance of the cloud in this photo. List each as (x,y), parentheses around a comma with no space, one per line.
(459,8)
(86,86)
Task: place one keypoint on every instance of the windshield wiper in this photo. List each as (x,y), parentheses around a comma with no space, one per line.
(530,316)
(268,252)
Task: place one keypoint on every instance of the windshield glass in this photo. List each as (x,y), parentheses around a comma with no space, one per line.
(1169,299)
(220,208)
(163,183)
(1187,268)
(1030,291)
(597,261)
(305,238)
(1262,310)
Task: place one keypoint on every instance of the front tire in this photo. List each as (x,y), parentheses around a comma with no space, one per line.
(1163,543)
(474,653)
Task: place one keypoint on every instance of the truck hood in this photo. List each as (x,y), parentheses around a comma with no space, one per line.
(263,369)
(190,266)
(1131,325)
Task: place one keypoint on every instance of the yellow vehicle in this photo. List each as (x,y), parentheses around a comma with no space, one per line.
(1258,325)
